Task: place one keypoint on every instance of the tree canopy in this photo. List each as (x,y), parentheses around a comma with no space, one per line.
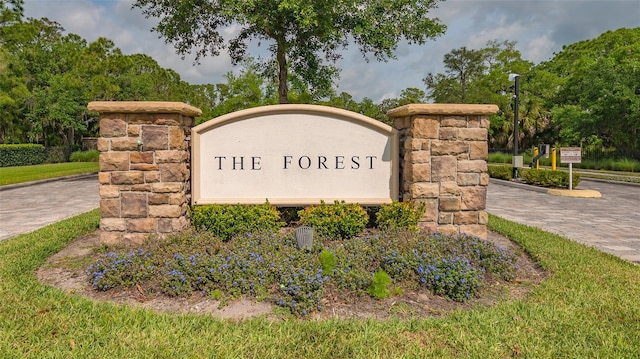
(47,78)
(598,90)
(588,94)
(304,36)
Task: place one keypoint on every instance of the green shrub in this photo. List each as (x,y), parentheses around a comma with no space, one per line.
(501,172)
(22,155)
(499,157)
(336,221)
(626,165)
(608,164)
(327,260)
(380,284)
(586,163)
(551,179)
(228,220)
(545,161)
(85,156)
(400,215)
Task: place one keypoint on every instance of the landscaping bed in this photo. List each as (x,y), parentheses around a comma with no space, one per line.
(67,270)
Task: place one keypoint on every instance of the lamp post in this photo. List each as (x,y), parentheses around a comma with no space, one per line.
(516,105)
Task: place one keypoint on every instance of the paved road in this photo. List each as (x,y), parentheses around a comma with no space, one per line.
(26,208)
(610,223)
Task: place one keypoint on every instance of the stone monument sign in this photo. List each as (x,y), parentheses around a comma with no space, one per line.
(153,163)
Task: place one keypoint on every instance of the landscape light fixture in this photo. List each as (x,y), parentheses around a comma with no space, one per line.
(516,90)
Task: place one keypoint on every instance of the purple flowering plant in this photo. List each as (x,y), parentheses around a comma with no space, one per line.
(268,266)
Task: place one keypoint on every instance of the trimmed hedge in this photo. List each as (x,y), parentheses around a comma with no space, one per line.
(543,178)
(22,155)
(335,221)
(401,215)
(228,220)
(552,179)
(501,172)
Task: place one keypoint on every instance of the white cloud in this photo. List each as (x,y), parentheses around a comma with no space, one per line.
(538,49)
(79,17)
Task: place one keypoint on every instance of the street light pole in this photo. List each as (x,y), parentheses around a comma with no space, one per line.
(516,106)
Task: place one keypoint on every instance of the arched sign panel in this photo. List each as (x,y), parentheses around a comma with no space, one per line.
(294,155)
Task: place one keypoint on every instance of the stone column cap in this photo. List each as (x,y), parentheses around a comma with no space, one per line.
(442,109)
(144,107)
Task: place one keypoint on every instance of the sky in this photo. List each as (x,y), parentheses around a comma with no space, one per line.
(539,27)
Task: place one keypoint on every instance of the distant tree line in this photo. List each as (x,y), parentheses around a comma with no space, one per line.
(47,78)
(588,94)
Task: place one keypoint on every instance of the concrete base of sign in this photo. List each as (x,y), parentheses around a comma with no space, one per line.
(580,193)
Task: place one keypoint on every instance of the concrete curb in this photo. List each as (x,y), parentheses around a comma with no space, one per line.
(577,193)
(26,184)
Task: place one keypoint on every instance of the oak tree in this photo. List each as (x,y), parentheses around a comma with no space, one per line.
(598,96)
(304,36)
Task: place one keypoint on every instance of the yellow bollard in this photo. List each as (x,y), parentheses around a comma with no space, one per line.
(553,159)
(535,154)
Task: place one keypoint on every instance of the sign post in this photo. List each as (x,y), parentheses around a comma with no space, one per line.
(517,160)
(570,155)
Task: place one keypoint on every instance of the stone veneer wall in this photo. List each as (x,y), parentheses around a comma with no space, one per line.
(443,163)
(144,168)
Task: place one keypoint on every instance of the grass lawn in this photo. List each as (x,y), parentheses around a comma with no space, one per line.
(588,308)
(19,174)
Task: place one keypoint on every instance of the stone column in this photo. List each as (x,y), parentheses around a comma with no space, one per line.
(144,168)
(443,163)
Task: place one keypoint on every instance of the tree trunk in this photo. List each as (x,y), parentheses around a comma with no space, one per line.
(283,90)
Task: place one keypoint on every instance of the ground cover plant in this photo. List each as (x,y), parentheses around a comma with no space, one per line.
(587,308)
(268,266)
(12,175)
(229,260)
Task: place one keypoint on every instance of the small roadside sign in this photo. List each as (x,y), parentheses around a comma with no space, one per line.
(570,154)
